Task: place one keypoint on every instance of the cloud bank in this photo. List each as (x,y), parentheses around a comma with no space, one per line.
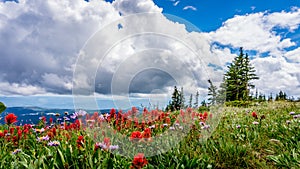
(43,39)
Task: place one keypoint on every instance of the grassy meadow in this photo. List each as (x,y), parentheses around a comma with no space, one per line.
(265,135)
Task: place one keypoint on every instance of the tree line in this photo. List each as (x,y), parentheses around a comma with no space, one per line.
(235,87)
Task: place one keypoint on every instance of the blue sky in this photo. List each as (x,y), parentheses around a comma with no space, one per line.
(211,14)
(43,39)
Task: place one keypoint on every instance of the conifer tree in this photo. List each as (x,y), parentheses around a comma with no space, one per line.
(212,92)
(238,78)
(191,100)
(270,98)
(176,100)
(196,99)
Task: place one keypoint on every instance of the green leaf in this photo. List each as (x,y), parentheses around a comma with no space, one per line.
(2,107)
(23,163)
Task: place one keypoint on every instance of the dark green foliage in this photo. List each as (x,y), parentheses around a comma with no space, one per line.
(270,98)
(191,100)
(212,93)
(196,99)
(2,107)
(238,103)
(238,78)
(176,103)
(281,96)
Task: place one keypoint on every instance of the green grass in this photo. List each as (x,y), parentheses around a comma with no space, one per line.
(273,143)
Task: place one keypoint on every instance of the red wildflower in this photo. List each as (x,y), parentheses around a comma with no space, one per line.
(54,131)
(136,121)
(136,135)
(1,134)
(15,140)
(26,131)
(168,120)
(205,114)
(254,115)
(134,110)
(50,134)
(75,125)
(106,141)
(43,119)
(112,113)
(80,141)
(19,133)
(139,161)
(51,120)
(10,118)
(147,134)
(11,130)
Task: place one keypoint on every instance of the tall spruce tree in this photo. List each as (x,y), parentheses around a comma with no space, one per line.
(212,93)
(281,96)
(182,99)
(176,100)
(238,78)
(196,100)
(191,100)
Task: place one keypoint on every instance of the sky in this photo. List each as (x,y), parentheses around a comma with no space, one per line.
(72,49)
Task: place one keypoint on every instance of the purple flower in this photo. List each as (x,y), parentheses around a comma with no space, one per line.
(292,113)
(202,123)
(73,116)
(238,126)
(53,143)
(16,151)
(205,127)
(296,116)
(288,122)
(255,122)
(66,118)
(113,147)
(78,114)
(103,146)
(44,138)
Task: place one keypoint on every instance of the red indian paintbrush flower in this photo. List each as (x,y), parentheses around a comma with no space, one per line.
(11,130)
(147,133)
(10,118)
(80,141)
(135,136)
(106,141)
(254,115)
(139,161)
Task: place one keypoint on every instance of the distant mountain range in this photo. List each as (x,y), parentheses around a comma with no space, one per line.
(31,115)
